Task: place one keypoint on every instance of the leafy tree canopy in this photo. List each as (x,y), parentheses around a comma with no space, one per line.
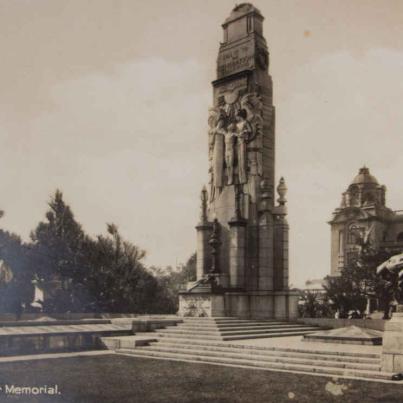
(356,283)
(81,273)
(16,274)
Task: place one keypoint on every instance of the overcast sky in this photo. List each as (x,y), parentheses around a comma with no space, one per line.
(108,100)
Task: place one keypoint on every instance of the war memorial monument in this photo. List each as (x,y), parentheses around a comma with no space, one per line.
(242,236)
(239,312)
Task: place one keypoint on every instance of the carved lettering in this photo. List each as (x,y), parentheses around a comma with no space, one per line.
(236,60)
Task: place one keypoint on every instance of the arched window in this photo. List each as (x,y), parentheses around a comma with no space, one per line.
(354,195)
(368,199)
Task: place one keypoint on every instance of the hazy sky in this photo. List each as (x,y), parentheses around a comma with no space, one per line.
(108,100)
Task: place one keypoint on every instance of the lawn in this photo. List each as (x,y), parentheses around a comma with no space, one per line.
(114,378)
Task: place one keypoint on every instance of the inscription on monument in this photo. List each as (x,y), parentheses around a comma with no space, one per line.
(235,60)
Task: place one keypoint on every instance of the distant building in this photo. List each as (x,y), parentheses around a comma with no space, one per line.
(315,286)
(363,216)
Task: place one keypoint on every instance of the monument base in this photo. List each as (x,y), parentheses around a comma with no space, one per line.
(201,305)
(280,305)
(392,351)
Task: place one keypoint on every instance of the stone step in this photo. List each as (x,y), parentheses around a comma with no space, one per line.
(243,321)
(232,325)
(208,318)
(233,337)
(262,357)
(243,331)
(229,320)
(250,363)
(114,343)
(173,344)
(221,344)
(238,323)
(304,329)
(187,336)
(201,329)
(239,327)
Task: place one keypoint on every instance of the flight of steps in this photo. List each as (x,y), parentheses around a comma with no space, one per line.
(228,329)
(357,365)
(208,340)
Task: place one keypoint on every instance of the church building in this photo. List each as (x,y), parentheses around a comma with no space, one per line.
(364,217)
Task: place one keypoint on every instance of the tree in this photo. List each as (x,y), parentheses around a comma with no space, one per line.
(80,273)
(346,292)
(58,255)
(314,305)
(172,280)
(357,283)
(17,290)
(117,279)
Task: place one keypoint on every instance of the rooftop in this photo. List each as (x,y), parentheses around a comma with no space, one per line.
(242,9)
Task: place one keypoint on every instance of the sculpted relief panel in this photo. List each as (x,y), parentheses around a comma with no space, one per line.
(235,127)
(195,305)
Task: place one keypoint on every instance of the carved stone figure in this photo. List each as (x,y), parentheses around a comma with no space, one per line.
(244,131)
(211,183)
(217,121)
(230,137)
(251,103)
(234,125)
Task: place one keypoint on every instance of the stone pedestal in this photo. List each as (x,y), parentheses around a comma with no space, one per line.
(281,305)
(392,351)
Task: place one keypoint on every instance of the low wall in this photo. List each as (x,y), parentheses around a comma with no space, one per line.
(21,344)
(329,323)
(150,324)
(54,322)
(4,317)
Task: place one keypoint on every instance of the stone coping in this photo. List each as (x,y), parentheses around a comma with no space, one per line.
(9,317)
(54,322)
(332,323)
(296,344)
(23,331)
(347,335)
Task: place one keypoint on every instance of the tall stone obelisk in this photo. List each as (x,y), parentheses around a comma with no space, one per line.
(242,237)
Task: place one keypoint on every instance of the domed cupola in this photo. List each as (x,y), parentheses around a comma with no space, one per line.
(364,191)
(364,178)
